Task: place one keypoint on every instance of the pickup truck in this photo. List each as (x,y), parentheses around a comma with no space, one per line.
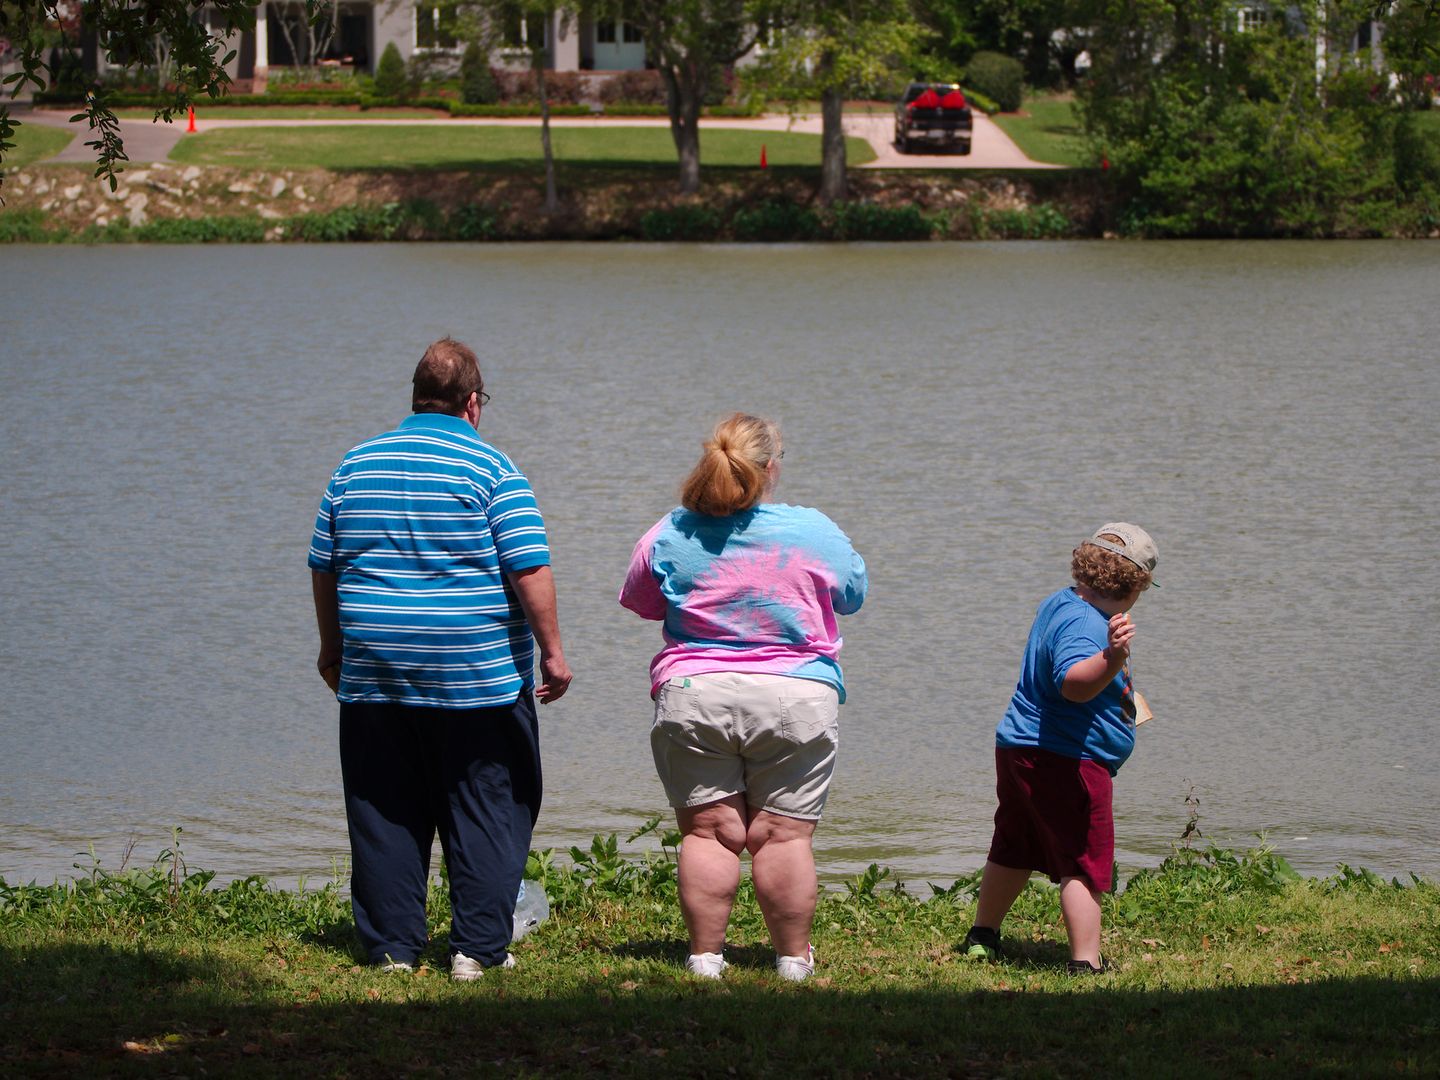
(933,114)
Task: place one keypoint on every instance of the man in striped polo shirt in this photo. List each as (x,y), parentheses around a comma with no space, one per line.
(431,573)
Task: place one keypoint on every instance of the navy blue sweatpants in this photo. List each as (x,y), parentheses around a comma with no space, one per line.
(471,774)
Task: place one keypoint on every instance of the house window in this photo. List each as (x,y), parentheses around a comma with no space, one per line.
(435,27)
(1249,19)
(519,32)
(611,31)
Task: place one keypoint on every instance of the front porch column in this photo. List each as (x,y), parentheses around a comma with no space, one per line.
(262,41)
(565,40)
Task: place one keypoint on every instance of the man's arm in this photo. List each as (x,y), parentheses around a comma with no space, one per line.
(535,588)
(327,617)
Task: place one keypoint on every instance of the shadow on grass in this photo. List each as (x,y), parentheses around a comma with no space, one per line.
(69,1010)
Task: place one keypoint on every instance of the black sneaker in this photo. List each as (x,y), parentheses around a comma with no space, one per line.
(1084,967)
(982,943)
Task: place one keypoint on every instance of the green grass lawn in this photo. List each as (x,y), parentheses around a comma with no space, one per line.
(35,142)
(467,146)
(1048,129)
(1429,122)
(1222,966)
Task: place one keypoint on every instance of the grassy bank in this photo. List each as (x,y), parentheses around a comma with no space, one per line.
(1223,965)
(35,142)
(1048,129)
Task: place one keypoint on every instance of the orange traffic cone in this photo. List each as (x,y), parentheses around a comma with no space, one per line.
(763,163)
(191,128)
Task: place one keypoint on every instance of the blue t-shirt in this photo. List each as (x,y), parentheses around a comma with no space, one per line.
(1067,630)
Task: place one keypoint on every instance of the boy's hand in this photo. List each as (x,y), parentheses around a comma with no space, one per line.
(1122,630)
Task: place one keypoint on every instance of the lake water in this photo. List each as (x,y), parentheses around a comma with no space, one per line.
(966,412)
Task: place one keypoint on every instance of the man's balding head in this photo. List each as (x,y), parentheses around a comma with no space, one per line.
(445,378)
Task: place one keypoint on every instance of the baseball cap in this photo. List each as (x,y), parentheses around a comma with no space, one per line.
(1135,544)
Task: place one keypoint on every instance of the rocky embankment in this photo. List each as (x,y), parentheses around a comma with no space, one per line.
(68,201)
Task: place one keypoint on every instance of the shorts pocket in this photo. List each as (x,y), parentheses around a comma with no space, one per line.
(809,717)
(677,710)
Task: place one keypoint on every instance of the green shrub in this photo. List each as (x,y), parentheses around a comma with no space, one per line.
(1417,157)
(390,79)
(776,222)
(473,223)
(685,223)
(997,77)
(979,101)
(477,81)
(459,108)
(1043,221)
(866,221)
(23,227)
(209,230)
(644,87)
(634,108)
(751,108)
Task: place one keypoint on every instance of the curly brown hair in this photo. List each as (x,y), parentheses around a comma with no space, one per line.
(1112,576)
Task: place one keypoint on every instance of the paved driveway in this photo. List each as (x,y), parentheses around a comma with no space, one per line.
(991,148)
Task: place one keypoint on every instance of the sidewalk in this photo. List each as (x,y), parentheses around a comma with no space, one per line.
(991,148)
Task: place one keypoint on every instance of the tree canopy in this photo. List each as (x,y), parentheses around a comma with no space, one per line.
(129,35)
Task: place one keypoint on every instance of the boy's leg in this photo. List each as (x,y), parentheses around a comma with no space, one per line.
(999,886)
(1080,905)
(387,809)
(713,837)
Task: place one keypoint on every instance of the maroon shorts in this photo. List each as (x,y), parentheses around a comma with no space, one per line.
(1055,816)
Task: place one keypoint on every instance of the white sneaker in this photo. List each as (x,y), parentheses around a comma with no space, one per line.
(463,969)
(796,968)
(708,965)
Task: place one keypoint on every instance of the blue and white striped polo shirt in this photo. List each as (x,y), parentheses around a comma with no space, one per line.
(420,526)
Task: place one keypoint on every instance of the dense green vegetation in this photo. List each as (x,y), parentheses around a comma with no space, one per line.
(1226,960)
(1214,129)
(466,147)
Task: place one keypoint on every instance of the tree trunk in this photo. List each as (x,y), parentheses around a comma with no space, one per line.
(832,147)
(552,201)
(684,96)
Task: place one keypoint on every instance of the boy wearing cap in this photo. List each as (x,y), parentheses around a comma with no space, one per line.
(1069,728)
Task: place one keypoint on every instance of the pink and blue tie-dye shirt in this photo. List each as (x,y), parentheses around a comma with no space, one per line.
(757,592)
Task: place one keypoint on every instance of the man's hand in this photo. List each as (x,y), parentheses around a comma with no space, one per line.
(327,617)
(328,664)
(535,589)
(555,678)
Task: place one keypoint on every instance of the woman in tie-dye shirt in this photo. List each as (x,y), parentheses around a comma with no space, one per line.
(748,686)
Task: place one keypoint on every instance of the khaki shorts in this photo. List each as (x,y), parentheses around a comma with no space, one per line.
(771,737)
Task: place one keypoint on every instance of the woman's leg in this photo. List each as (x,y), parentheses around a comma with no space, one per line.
(713,837)
(999,886)
(1080,905)
(783,866)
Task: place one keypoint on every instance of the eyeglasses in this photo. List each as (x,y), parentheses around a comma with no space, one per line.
(483,396)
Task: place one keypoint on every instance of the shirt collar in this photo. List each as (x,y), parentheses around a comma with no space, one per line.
(456,425)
